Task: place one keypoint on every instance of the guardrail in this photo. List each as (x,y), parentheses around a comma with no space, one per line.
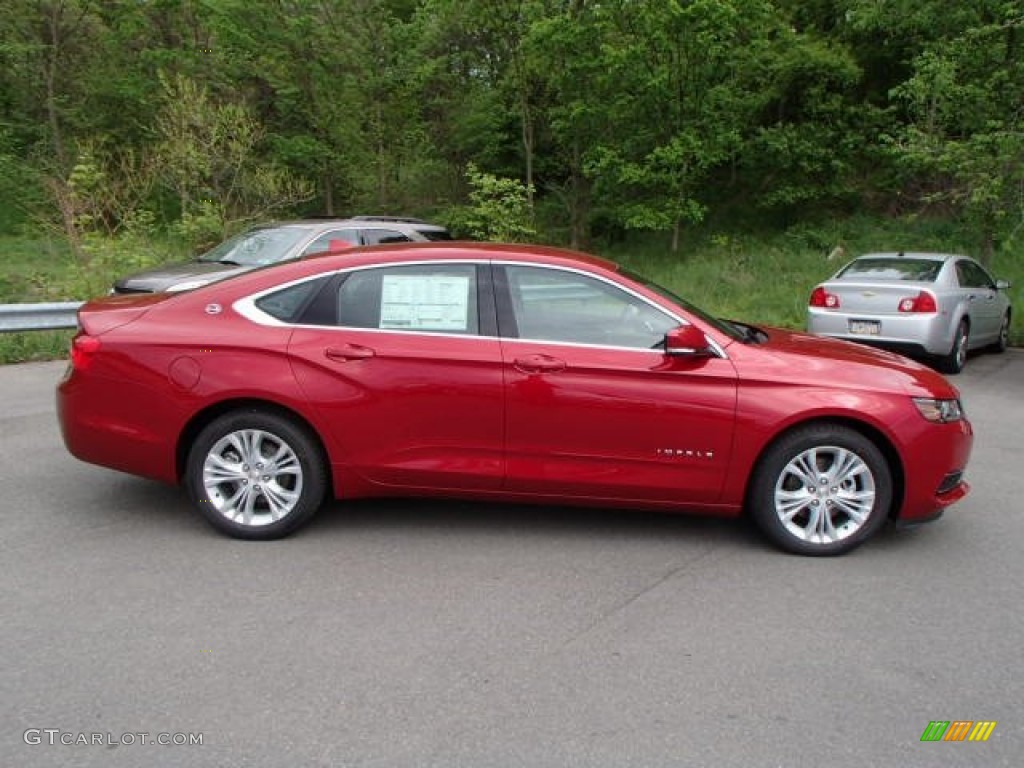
(39,317)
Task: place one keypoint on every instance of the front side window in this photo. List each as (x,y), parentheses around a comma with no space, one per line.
(432,298)
(562,306)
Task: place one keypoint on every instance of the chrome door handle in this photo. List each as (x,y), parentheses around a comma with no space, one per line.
(347,352)
(539,364)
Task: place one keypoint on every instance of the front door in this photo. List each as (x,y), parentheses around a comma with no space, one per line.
(595,408)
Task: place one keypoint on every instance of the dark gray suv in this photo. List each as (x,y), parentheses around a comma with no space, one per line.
(283,241)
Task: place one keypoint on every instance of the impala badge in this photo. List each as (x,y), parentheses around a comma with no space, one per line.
(685,453)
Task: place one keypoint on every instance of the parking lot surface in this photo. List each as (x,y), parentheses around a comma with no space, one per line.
(406,633)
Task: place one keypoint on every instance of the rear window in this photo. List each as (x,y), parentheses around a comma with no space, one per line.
(916,270)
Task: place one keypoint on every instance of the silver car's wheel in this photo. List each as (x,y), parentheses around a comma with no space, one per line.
(821,490)
(1003,342)
(954,361)
(255,475)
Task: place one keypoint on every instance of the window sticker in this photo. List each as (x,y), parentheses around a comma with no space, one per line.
(425,302)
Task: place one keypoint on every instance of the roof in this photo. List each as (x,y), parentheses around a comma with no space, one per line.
(922,255)
(350,220)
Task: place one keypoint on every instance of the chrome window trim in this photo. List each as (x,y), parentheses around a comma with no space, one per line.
(246,306)
(715,346)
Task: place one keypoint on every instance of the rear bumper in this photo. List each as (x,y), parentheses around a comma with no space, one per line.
(912,335)
(100,425)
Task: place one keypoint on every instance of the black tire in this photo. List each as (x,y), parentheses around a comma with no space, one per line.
(255,474)
(780,489)
(1003,342)
(956,358)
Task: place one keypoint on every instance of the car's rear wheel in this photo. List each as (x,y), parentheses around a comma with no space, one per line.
(254,474)
(954,361)
(822,489)
(1003,341)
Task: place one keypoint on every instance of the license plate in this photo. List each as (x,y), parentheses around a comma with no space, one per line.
(865,327)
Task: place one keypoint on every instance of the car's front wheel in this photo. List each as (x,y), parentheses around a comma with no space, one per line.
(821,489)
(255,474)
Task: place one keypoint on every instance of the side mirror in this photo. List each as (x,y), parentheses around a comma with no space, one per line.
(1002,285)
(687,341)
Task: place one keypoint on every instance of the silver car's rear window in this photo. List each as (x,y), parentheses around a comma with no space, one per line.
(917,270)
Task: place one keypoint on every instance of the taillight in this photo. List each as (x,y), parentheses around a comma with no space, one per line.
(923,302)
(822,298)
(83,349)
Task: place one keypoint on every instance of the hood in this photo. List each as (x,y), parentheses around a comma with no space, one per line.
(795,356)
(170,275)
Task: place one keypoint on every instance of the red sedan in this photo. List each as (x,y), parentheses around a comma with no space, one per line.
(503,372)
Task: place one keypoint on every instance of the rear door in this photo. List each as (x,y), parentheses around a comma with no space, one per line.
(984,305)
(402,363)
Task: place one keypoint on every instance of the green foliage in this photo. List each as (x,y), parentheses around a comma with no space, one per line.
(499,209)
(965,134)
(21,190)
(617,115)
(208,154)
(106,259)
(38,345)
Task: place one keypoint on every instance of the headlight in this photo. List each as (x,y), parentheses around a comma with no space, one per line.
(939,411)
(188,285)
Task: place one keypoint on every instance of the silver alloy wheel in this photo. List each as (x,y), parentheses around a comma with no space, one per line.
(961,348)
(1004,333)
(252,477)
(824,494)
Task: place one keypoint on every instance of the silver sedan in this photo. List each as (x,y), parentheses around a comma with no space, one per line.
(933,305)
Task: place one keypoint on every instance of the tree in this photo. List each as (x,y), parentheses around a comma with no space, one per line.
(963,134)
(208,153)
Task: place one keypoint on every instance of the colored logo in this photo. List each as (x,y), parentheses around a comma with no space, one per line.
(958,730)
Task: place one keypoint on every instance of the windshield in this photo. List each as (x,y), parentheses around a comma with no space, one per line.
(719,325)
(257,247)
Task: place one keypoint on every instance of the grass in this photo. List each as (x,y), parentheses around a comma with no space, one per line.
(759,277)
(44,269)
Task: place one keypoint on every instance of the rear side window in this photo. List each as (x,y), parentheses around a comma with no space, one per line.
(971,275)
(288,303)
(916,270)
(433,298)
(435,235)
(381,236)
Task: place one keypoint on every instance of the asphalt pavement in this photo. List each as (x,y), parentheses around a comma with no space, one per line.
(406,633)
